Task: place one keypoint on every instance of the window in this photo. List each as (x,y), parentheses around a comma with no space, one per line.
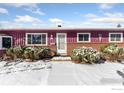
(5,42)
(83,37)
(36,39)
(115,37)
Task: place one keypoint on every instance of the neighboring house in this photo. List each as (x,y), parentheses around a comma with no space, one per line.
(63,41)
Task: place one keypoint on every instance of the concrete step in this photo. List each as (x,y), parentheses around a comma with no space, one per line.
(61,58)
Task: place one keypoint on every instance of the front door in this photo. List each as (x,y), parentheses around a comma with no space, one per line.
(61,43)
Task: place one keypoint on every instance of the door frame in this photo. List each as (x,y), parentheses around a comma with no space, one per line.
(64,51)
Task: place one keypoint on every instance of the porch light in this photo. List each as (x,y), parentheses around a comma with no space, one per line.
(51,37)
(51,40)
(100,37)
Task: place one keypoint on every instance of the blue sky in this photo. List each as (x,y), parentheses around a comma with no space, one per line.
(85,15)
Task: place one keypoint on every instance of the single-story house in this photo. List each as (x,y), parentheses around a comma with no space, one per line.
(61,40)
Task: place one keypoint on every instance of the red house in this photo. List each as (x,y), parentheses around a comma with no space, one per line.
(63,41)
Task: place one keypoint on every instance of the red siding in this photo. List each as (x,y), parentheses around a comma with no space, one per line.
(19,36)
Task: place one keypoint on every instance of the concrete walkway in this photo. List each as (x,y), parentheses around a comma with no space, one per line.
(61,74)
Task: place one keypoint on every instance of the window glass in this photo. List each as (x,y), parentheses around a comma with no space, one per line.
(115,37)
(6,42)
(118,37)
(83,37)
(112,37)
(43,38)
(29,39)
(86,37)
(36,38)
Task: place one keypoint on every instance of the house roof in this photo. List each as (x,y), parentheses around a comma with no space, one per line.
(66,29)
(3,35)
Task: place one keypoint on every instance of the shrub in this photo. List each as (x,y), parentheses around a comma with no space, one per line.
(10,52)
(46,52)
(18,51)
(113,52)
(75,59)
(15,52)
(102,48)
(35,53)
(32,53)
(87,55)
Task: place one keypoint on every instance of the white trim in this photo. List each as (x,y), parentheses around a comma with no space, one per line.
(26,42)
(115,41)
(61,51)
(1,46)
(84,41)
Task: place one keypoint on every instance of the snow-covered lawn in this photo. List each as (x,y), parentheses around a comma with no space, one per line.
(24,73)
(59,73)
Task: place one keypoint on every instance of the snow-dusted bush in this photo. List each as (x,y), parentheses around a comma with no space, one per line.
(113,53)
(15,52)
(35,53)
(32,53)
(87,55)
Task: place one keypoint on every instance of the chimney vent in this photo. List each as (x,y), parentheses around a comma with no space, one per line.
(119,25)
(59,26)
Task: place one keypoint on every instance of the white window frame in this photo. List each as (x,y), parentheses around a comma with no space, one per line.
(1,46)
(84,41)
(115,41)
(36,44)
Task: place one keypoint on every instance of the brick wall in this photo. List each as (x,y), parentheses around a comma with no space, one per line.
(2,52)
(72,46)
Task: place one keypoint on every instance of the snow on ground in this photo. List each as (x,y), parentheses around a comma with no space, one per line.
(62,74)
(24,73)
(99,74)
(59,73)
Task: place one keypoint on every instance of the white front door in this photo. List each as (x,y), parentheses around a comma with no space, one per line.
(61,43)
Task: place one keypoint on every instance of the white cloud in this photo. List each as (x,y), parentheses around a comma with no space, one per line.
(35,10)
(22,4)
(28,19)
(9,24)
(90,15)
(3,11)
(117,14)
(106,6)
(56,20)
(108,20)
(116,17)
(31,7)
(16,25)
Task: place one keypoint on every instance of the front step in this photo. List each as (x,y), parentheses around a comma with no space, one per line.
(61,58)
